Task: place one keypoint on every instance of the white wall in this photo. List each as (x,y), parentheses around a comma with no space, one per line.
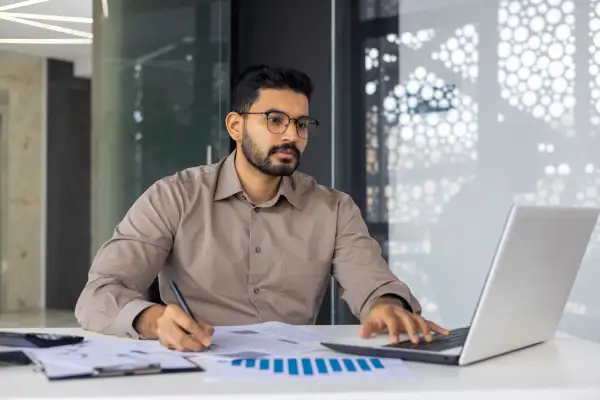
(22,84)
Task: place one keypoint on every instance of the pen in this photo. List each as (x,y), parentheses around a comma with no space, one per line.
(184,305)
(180,299)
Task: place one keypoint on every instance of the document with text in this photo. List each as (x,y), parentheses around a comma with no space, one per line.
(253,341)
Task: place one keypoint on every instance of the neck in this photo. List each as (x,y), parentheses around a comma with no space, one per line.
(258,186)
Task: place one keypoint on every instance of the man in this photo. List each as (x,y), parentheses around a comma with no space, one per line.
(246,240)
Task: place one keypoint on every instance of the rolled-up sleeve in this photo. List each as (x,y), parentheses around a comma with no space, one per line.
(359,267)
(127,264)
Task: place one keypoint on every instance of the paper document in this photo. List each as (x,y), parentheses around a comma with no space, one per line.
(263,340)
(253,341)
(326,367)
(278,351)
(86,358)
(268,351)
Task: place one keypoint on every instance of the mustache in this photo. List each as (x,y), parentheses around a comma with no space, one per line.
(285,146)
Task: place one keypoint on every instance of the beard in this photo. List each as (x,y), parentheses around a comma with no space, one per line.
(262,162)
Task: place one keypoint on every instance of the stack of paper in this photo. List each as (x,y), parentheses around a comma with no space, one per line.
(270,350)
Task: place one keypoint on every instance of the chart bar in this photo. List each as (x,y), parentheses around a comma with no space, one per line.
(307,366)
(321,366)
(293,366)
(335,365)
(350,367)
(264,364)
(278,365)
(376,362)
(363,364)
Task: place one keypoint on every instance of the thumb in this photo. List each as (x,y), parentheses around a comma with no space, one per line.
(210,329)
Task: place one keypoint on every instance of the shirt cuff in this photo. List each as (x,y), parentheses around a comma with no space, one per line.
(396,290)
(123,324)
(394,298)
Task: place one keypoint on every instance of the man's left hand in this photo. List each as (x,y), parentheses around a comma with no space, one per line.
(389,315)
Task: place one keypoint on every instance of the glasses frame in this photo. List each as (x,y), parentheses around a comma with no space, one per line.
(290,119)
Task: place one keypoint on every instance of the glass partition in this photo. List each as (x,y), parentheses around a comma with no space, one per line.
(161,92)
(466,106)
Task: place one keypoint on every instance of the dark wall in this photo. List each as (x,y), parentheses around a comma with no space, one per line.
(68,224)
(296,34)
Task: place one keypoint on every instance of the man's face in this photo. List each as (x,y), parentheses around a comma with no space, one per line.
(275,154)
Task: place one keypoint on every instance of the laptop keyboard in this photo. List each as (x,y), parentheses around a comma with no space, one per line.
(456,338)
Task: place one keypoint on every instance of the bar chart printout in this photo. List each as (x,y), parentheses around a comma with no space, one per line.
(320,367)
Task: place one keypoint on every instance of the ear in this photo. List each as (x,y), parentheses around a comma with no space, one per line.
(235,125)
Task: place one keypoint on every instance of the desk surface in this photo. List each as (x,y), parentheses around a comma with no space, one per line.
(564,368)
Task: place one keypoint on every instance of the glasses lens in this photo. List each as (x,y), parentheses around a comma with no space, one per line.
(277,122)
(307,127)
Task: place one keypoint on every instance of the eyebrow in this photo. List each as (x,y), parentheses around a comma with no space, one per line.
(283,112)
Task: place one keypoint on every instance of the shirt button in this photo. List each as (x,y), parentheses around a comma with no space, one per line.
(256,209)
(257,249)
(256,290)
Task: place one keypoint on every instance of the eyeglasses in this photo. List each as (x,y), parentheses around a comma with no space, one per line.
(278,122)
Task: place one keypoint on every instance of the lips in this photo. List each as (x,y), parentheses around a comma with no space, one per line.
(286,152)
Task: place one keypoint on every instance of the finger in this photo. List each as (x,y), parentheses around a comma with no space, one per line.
(206,326)
(210,329)
(409,325)
(390,319)
(203,324)
(368,328)
(181,340)
(165,343)
(199,333)
(171,333)
(436,328)
(190,344)
(424,327)
(375,325)
(167,339)
(189,325)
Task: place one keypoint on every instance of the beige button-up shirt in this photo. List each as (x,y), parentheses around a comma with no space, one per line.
(236,262)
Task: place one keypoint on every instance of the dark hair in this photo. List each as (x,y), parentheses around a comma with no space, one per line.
(258,77)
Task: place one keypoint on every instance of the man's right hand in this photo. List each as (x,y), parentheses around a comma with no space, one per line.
(173,328)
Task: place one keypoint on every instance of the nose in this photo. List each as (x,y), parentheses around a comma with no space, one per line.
(290,134)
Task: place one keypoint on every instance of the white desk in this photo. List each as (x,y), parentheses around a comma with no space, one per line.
(566,368)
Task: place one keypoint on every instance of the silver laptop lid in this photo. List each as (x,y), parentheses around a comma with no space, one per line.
(533,271)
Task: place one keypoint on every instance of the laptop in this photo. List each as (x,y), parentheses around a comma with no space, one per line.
(536,262)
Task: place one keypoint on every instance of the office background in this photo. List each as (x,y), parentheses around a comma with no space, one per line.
(436,116)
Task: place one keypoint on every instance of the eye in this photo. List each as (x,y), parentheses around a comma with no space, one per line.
(277,119)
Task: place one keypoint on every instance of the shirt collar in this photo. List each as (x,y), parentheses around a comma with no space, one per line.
(228,183)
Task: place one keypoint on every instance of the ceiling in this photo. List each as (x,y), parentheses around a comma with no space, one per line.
(45,28)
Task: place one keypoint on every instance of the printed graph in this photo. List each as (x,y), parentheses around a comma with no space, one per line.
(311,366)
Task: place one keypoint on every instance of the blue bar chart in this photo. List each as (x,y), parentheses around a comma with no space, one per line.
(310,366)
